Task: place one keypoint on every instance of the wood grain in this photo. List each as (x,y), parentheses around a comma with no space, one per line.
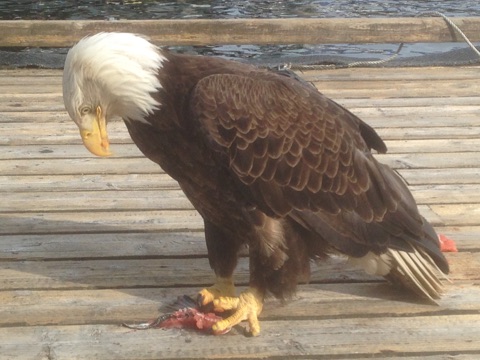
(63,33)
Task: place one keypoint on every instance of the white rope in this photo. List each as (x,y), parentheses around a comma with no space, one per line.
(378,62)
(457,29)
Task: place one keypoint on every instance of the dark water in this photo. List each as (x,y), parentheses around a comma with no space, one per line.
(134,9)
(88,9)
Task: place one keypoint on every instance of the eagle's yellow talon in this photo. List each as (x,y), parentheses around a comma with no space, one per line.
(224,303)
(223,287)
(206,296)
(247,307)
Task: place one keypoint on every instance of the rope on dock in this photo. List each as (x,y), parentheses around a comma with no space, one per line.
(457,29)
(382,61)
(376,62)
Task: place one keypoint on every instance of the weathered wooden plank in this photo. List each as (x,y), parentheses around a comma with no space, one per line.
(174,199)
(63,134)
(40,97)
(19,89)
(89,165)
(52,151)
(30,72)
(50,89)
(35,117)
(144,245)
(459,214)
(433,146)
(283,338)
(446,194)
(29,131)
(467,132)
(373,74)
(110,245)
(440,176)
(394,117)
(399,89)
(99,222)
(380,115)
(141,221)
(441,356)
(430,160)
(457,185)
(83,182)
(167,272)
(95,182)
(54,133)
(468,237)
(33,99)
(97,201)
(141,165)
(125,149)
(99,273)
(436,86)
(428,116)
(40,126)
(175,220)
(409,102)
(33,104)
(56,105)
(29,81)
(376,116)
(61,33)
(28,77)
(344,89)
(316,301)
(56,151)
(92,274)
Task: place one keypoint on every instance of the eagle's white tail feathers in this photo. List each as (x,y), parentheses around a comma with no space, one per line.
(411,271)
(415,270)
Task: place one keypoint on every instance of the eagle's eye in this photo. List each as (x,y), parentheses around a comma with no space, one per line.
(84,110)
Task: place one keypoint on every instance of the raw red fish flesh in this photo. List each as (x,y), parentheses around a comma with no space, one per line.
(188,316)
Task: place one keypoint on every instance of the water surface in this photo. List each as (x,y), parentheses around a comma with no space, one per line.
(228,9)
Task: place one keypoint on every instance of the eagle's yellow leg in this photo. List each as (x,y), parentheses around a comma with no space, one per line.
(223,287)
(247,307)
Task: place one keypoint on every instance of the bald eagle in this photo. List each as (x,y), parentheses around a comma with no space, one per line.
(266,159)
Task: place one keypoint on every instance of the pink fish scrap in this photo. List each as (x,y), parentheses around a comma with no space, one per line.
(188,316)
(447,244)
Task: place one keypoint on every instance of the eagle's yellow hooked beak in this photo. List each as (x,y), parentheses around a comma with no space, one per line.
(96,138)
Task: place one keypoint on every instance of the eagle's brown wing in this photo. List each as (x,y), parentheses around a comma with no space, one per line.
(300,154)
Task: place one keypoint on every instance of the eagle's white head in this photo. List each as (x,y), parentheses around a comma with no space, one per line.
(106,75)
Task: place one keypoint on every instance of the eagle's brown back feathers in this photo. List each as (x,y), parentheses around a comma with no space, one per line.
(302,156)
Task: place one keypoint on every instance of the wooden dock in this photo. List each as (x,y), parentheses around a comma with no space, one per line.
(88,243)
